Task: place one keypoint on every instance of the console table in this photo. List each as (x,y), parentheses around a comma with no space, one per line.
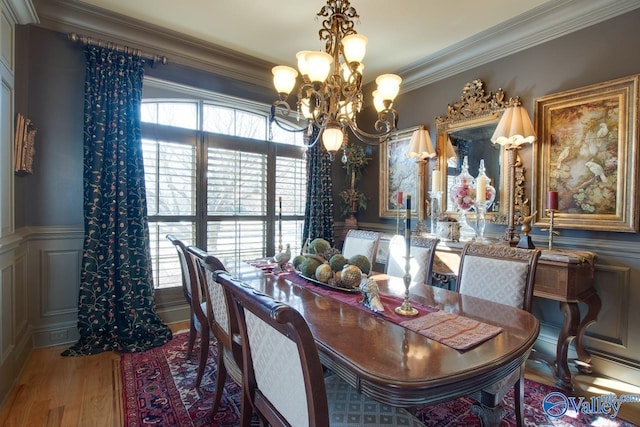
(562,275)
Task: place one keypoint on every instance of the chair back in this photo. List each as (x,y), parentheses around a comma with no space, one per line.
(423,250)
(361,242)
(283,376)
(190,281)
(499,273)
(222,321)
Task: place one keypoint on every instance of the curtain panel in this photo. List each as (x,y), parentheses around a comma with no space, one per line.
(318,217)
(116,308)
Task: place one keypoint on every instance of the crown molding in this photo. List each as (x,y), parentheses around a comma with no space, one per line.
(544,23)
(551,20)
(68,16)
(21,11)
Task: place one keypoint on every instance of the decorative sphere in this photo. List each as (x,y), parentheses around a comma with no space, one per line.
(351,276)
(324,273)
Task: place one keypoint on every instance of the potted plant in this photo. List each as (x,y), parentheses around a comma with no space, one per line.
(354,161)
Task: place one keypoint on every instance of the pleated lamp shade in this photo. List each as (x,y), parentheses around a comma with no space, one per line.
(515,128)
(420,146)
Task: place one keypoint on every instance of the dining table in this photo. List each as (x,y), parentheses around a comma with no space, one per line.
(381,356)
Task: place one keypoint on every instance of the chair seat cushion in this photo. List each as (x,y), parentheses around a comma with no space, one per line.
(347,407)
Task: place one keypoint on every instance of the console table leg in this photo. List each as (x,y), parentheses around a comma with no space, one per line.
(583,363)
(490,416)
(571,313)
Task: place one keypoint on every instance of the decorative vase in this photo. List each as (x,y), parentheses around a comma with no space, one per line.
(463,197)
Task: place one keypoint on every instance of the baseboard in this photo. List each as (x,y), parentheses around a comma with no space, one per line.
(14,363)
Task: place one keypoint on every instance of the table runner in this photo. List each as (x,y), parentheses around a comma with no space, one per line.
(452,330)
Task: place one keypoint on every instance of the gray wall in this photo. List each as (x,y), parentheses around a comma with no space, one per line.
(48,204)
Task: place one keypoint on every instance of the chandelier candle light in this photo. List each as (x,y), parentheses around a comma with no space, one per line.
(330,95)
(406,309)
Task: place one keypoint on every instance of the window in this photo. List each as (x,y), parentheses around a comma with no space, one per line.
(215,181)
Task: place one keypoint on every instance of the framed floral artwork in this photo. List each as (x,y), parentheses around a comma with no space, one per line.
(587,151)
(398,173)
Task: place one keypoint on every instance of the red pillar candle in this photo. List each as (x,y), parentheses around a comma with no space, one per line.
(399,198)
(552,200)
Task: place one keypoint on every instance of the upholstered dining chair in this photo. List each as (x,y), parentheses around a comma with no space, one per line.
(361,242)
(284,381)
(423,250)
(193,294)
(506,275)
(222,323)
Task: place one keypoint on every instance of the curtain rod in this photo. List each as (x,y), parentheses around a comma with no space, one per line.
(85,40)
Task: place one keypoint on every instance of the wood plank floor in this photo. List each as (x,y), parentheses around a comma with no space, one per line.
(57,391)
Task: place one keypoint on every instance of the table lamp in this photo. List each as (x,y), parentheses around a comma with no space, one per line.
(421,149)
(514,130)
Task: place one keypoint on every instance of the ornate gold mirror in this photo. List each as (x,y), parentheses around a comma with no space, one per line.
(467,129)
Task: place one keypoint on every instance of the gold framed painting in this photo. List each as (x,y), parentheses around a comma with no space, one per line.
(398,173)
(587,151)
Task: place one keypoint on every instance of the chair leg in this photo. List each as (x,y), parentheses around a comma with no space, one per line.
(221,376)
(246,410)
(192,338)
(204,355)
(518,395)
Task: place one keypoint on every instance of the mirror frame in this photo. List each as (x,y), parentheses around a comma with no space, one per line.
(479,108)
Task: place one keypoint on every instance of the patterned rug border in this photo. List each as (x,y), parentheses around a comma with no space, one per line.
(157,389)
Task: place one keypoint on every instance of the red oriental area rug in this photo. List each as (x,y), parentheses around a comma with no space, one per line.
(158,390)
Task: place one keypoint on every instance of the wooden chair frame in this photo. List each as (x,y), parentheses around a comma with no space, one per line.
(198,319)
(229,348)
(493,396)
(290,323)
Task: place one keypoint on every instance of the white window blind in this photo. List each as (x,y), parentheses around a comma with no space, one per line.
(170,177)
(236,182)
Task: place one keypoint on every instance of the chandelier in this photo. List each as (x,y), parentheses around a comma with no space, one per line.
(330,95)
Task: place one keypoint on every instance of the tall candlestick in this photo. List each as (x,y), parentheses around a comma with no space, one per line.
(408,221)
(435,181)
(406,309)
(280,222)
(552,200)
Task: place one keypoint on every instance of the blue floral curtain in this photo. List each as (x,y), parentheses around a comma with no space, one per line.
(116,299)
(318,217)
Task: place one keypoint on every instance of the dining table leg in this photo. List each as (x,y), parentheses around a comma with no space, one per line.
(489,415)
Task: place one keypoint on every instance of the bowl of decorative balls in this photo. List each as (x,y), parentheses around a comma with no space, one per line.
(326,266)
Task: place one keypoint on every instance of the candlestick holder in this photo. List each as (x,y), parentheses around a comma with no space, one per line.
(406,309)
(398,208)
(436,197)
(552,232)
(481,223)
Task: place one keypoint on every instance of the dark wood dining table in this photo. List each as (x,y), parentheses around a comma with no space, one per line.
(393,364)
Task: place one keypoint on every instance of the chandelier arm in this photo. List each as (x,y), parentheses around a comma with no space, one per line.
(369,138)
(285,112)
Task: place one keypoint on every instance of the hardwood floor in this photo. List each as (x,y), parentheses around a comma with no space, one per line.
(86,391)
